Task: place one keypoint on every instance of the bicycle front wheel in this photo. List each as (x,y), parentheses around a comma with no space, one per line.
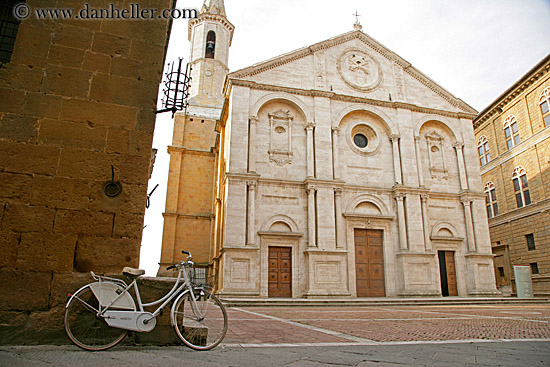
(85,328)
(201,326)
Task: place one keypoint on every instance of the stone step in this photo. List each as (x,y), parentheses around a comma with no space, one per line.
(373,302)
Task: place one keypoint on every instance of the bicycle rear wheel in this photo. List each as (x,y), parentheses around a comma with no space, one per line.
(85,328)
(202,328)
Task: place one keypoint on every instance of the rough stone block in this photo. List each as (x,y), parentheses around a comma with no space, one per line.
(85,164)
(145,120)
(101,114)
(28,158)
(146,50)
(60,192)
(123,91)
(8,247)
(66,82)
(42,105)
(111,44)
(71,134)
(84,223)
(24,77)
(17,294)
(15,188)
(71,36)
(18,128)
(46,252)
(31,46)
(64,284)
(128,225)
(134,169)
(11,100)
(25,218)
(130,201)
(94,61)
(101,254)
(66,56)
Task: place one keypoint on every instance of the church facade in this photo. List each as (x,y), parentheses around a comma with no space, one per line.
(337,170)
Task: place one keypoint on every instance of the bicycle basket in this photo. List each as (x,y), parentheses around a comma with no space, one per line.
(201,276)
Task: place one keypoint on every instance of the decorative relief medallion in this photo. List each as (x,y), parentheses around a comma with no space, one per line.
(359,70)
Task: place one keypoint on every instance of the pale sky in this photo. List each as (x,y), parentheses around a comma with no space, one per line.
(475,49)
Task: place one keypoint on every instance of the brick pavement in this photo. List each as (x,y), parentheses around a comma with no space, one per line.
(374,325)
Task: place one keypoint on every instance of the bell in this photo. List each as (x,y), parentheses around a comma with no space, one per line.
(210,46)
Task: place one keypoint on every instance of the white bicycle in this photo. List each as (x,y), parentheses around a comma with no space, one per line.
(99,315)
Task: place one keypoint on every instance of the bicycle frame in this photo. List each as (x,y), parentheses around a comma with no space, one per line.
(179,289)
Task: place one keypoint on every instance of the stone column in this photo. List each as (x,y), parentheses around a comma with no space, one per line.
(461,167)
(310,153)
(251,235)
(399,197)
(419,161)
(335,159)
(339,225)
(311,216)
(252,144)
(469,225)
(425,223)
(396,159)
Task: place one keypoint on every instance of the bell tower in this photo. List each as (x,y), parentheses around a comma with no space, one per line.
(210,35)
(189,219)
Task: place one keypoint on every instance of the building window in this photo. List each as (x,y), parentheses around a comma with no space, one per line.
(521,187)
(8,30)
(530,242)
(483,150)
(501,272)
(210,45)
(360,140)
(545,106)
(534,268)
(491,200)
(511,131)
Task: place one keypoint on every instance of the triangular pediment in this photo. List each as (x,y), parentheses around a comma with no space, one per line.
(353,64)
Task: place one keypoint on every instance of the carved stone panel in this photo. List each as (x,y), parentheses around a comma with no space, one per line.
(359,70)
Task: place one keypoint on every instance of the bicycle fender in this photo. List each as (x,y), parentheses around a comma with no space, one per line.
(71,296)
(173,310)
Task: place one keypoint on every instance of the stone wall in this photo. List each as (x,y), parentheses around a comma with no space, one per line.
(76,100)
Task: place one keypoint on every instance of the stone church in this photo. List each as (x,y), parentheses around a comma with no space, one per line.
(336,170)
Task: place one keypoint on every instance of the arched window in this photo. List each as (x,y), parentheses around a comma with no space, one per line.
(483,150)
(511,131)
(210,45)
(521,187)
(491,200)
(544,102)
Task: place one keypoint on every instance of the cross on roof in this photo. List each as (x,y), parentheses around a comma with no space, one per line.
(356,16)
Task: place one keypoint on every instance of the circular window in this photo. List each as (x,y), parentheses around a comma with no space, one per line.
(360,140)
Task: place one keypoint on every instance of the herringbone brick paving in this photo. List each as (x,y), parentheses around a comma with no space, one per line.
(342,325)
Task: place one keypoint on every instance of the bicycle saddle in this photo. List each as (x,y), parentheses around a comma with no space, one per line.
(133,272)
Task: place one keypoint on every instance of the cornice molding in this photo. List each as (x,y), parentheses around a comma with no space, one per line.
(373,44)
(498,105)
(346,98)
(214,18)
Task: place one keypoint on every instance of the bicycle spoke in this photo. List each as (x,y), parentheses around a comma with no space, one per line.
(85,328)
(203,331)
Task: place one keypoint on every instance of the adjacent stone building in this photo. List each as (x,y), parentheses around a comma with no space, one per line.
(336,170)
(77,101)
(513,141)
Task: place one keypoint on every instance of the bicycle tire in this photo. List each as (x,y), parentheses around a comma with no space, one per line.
(196,333)
(84,328)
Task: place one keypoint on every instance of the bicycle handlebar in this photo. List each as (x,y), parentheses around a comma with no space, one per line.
(189,256)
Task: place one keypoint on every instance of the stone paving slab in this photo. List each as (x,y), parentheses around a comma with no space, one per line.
(505,354)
